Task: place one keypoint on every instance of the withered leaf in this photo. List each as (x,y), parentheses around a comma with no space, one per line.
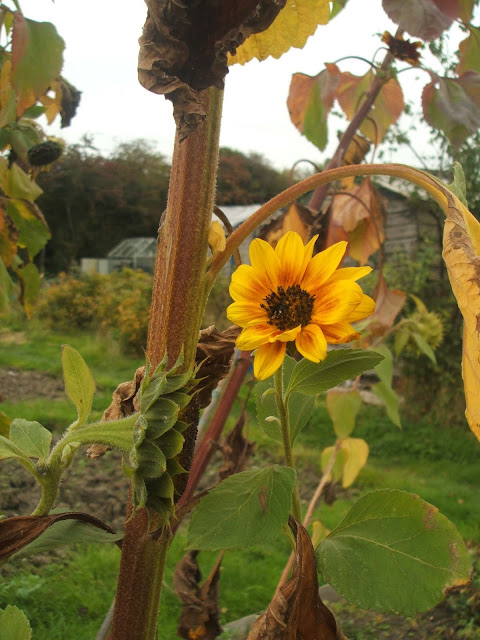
(357,215)
(200,615)
(19,531)
(297,612)
(236,450)
(184,48)
(214,353)
(389,303)
(296,218)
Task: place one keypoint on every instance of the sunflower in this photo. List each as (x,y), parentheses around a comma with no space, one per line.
(287,295)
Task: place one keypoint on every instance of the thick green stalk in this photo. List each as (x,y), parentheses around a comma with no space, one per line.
(178,301)
(287,442)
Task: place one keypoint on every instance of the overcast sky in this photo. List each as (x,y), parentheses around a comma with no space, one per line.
(101,39)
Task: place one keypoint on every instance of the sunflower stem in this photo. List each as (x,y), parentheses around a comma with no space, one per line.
(287,442)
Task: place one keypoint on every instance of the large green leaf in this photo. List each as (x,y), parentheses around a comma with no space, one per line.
(394,552)
(31,437)
(245,509)
(37,59)
(79,382)
(339,365)
(14,624)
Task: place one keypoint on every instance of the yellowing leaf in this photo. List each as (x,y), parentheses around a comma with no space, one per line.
(295,23)
(357,450)
(385,110)
(343,407)
(310,100)
(469,52)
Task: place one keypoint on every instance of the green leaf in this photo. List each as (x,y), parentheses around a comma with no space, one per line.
(339,365)
(20,186)
(79,382)
(453,106)
(5,422)
(31,437)
(171,443)
(299,409)
(310,100)
(8,112)
(245,509)
(30,278)
(384,369)
(34,112)
(149,460)
(9,450)
(267,407)
(161,417)
(459,188)
(115,433)
(424,347)
(14,624)
(394,552)
(343,407)
(469,52)
(6,285)
(33,229)
(64,533)
(37,59)
(390,399)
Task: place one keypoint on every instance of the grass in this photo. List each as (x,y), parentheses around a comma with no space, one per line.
(73,591)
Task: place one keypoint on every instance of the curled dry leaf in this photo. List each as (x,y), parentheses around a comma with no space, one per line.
(389,303)
(214,353)
(461,252)
(296,218)
(200,616)
(236,450)
(357,216)
(184,48)
(19,531)
(297,612)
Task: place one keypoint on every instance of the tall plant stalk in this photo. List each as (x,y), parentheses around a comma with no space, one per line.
(178,300)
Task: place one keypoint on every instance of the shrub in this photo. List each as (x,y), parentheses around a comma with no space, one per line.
(118,303)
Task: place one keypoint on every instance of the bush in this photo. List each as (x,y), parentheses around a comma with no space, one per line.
(117,303)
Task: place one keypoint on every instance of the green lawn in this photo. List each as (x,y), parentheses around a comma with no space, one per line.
(67,594)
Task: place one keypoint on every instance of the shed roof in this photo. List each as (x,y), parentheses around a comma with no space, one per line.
(134,247)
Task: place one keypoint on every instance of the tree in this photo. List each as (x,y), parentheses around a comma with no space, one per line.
(92,202)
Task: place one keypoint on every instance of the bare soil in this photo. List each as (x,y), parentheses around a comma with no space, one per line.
(16,385)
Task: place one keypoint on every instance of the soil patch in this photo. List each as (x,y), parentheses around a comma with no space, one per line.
(16,385)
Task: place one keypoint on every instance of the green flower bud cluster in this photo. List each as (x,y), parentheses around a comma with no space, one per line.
(158,437)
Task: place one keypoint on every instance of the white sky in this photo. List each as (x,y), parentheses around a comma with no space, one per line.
(101,58)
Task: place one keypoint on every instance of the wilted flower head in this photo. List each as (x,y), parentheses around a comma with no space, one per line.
(287,295)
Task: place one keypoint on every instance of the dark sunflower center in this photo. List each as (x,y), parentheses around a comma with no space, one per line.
(288,308)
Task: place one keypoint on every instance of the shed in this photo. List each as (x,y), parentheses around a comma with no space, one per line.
(135,253)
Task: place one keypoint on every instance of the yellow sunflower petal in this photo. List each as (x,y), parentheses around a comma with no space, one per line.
(311,343)
(268,358)
(321,266)
(336,302)
(365,308)
(340,333)
(286,336)
(265,262)
(246,287)
(254,336)
(350,273)
(244,313)
(291,253)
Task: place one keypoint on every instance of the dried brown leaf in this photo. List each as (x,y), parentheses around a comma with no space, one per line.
(214,353)
(296,218)
(200,615)
(19,531)
(297,612)
(184,48)
(236,450)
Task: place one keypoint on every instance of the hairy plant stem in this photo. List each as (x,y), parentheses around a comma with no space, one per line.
(287,441)
(178,300)
(311,508)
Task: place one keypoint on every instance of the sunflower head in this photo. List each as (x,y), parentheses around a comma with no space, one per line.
(286,295)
